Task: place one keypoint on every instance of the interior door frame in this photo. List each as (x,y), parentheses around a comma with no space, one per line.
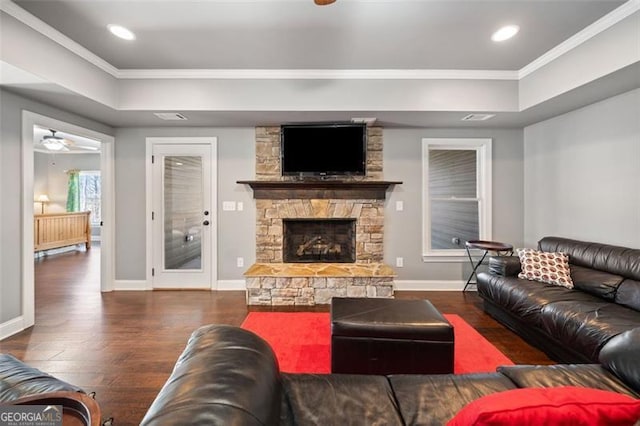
(107,232)
(212,141)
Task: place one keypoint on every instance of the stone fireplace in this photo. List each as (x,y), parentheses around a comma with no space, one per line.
(316,239)
(319,240)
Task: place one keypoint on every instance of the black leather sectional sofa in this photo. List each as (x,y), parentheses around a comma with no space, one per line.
(570,325)
(229,376)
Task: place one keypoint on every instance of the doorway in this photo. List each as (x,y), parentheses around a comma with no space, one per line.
(30,122)
(182,224)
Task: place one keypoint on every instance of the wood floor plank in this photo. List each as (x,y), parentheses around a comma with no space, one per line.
(123,345)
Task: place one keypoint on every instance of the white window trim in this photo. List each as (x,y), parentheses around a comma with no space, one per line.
(484,185)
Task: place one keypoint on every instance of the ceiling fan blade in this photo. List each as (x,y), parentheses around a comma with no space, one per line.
(88,148)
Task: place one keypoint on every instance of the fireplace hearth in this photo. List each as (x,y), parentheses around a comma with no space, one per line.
(319,240)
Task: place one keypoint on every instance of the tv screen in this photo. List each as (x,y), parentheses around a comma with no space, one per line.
(324,149)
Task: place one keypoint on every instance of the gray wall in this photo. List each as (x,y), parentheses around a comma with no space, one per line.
(403,229)
(582,174)
(11,217)
(236,230)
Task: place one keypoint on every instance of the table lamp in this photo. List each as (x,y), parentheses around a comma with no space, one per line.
(42,199)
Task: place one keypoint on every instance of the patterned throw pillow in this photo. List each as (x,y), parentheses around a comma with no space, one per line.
(551,268)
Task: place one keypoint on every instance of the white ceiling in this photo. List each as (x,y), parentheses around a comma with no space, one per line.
(296,34)
(255,37)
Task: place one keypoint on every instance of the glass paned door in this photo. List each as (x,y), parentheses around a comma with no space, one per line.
(183,207)
(182,216)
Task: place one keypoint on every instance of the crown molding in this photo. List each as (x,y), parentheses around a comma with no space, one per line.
(602,24)
(317,74)
(587,33)
(12,9)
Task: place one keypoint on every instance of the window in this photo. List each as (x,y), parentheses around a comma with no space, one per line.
(90,192)
(456,179)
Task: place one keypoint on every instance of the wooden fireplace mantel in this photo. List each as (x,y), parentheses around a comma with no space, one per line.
(319,189)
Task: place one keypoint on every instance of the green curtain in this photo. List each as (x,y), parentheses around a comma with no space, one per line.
(73,193)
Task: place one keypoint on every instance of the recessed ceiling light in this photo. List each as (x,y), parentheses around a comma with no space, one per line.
(122,32)
(505,33)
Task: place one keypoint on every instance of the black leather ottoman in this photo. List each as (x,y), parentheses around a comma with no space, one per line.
(389,336)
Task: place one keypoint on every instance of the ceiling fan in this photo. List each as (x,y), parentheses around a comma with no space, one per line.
(54,142)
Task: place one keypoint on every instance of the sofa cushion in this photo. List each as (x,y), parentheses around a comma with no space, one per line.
(526,298)
(547,376)
(506,266)
(621,355)
(551,268)
(435,399)
(603,257)
(566,405)
(327,399)
(598,283)
(628,294)
(587,326)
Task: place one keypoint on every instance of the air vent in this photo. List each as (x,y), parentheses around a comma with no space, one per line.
(368,120)
(477,117)
(171,116)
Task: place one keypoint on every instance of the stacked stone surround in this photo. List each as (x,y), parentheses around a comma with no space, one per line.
(316,283)
(267,289)
(268,155)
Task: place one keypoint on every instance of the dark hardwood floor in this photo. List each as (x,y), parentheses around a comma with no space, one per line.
(123,345)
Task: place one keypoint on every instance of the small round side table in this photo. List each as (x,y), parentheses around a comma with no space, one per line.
(501,249)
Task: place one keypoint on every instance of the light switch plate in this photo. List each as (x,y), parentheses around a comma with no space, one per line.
(240,206)
(399,206)
(228,206)
(399,262)
(240,262)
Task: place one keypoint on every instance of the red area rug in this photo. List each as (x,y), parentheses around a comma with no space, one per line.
(302,342)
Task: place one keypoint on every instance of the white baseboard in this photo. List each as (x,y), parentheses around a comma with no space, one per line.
(226,285)
(51,252)
(130,285)
(431,285)
(11,327)
(141,285)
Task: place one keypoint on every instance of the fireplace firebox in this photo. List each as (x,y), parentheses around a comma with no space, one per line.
(319,240)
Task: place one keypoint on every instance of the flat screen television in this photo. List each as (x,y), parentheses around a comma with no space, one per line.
(324,149)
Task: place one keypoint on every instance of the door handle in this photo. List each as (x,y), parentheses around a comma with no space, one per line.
(206,212)
(205,223)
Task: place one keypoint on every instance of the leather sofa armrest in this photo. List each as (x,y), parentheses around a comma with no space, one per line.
(506,266)
(621,355)
(225,376)
(19,380)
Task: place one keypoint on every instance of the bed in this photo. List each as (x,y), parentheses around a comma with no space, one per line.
(55,230)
